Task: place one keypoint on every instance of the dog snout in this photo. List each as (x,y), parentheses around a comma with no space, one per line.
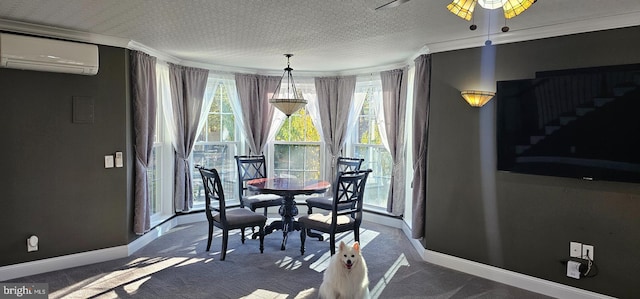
(349,262)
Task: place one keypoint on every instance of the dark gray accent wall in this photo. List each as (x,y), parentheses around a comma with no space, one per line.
(518,222)
(54,183)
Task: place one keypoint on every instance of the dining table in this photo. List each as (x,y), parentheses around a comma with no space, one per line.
(288,188)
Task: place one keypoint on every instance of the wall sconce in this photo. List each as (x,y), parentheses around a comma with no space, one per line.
(477,98)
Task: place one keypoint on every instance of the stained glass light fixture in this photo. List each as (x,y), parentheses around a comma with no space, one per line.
(512,8)
(477,98)
(287,99)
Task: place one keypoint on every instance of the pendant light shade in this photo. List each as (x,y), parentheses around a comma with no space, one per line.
(287,99)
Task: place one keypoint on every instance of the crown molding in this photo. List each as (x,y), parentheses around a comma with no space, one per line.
(568,28)
(133,45)
(61,33)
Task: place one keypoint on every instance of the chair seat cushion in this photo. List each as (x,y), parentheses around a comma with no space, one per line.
(322,222)
(262,200)
(238,217)
(325,203)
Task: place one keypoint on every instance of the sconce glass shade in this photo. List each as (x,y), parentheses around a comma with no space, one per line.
(477,98)
(462,8)
(287,99)
(513,8)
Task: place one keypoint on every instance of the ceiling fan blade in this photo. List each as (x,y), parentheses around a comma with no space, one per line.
(391,4)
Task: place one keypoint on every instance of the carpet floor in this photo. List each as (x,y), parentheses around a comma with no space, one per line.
(176,265)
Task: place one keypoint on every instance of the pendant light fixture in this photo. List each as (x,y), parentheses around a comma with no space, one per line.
(286,98)
(512,8)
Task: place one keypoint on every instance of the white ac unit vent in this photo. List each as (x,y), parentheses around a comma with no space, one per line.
(47,55)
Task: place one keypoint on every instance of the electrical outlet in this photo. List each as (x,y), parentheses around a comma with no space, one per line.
(108,161)
(587,251)
(575,249)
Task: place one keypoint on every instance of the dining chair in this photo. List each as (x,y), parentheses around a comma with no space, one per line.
(226,218)
(249,168)
(348,191)
(343,164)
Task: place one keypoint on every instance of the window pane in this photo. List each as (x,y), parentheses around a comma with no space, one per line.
(378,159)
(228,128)
(300,161)
(221,157)
(213,128)
(215,106)
(153,180)
(297,128)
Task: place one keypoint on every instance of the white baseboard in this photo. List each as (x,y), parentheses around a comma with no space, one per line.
(95,256)
(515,279)
(62,262)
(511,278)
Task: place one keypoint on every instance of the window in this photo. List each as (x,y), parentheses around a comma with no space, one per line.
(297,149)
(216,146)
(160,169)
(366,142)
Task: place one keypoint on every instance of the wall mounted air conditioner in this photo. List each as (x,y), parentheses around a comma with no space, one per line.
(47,55)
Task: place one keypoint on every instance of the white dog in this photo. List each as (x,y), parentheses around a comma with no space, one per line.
(346,277)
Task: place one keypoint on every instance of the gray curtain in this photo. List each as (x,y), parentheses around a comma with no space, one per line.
(394,106)
(334,99)
(143,86)
(254,92)
(187,95)
(421,99)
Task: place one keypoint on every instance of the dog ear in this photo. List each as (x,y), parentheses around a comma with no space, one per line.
(356,246)
(342,245)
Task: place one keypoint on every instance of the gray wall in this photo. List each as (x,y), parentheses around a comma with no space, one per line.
(54,183)
(524,223)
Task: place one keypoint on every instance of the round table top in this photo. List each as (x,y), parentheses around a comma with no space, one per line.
(288,186)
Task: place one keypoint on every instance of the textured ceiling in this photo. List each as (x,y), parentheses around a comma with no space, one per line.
(324,35)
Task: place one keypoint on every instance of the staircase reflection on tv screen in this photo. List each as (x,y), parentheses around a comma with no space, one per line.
(581,123)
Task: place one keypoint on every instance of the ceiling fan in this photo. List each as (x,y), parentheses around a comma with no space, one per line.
(391,4)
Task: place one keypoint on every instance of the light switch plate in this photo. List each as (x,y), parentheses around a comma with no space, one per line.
(119,162)
(108,161)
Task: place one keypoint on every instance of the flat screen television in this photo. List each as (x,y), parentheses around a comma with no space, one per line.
(580,123)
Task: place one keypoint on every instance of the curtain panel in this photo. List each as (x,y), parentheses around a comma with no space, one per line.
(187,97)
(143,86)
(335,95)
(254,92)
(394,106)
(421,100)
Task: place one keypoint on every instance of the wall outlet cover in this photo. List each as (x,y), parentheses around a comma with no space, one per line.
(573,269)
(587,250)
(575,249)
